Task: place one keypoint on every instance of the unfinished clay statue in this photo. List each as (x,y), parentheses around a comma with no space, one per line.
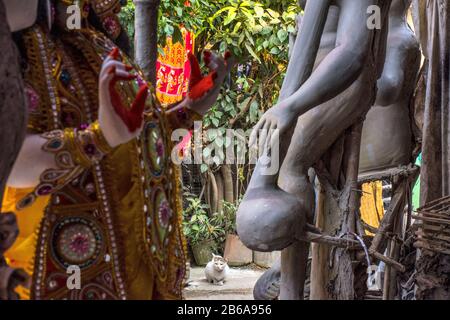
(387,135)
(387,138)
(336,42)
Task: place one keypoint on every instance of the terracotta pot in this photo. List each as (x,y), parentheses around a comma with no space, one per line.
(203,252)
(236,253)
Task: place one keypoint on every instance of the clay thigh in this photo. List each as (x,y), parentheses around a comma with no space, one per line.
(320,127)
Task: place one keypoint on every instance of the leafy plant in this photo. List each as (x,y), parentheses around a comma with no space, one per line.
(173,16)
(197,226)
(257,33)
(226,219)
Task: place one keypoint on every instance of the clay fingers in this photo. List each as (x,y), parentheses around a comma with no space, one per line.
(271,135)
(263,136)
(254,134)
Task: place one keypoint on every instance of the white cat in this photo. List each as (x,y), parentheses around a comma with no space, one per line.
(217,270)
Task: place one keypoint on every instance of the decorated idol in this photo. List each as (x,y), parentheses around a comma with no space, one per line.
(94,189)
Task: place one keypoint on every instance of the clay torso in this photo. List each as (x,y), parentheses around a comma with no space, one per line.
(387,136)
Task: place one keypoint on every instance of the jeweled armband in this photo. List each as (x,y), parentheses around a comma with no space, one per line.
(87,146)
(75,151)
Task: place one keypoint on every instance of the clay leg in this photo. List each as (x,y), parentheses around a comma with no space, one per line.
(268,285)
(315,132)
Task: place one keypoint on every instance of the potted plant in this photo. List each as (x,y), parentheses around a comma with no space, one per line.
(235,251)
(199,231)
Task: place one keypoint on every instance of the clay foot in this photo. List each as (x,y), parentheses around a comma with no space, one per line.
(268,285)
(269,219)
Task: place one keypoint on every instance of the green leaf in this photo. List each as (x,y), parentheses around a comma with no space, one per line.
(259,11)
(219,12)
(177,36)
(244,103)
(254,111)
(275,50)
(223,46)
(246,4)
(275,21)
(237,27)
(206,152)
(230,18)
(250,19)
(249,37)
(212,134)
(250,50)
(217,160)
(219,141)
(215,122)
(203,167)
(282,35)
(273,13)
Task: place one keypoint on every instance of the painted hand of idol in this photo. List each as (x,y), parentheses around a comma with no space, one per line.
(203,91)
(119,123)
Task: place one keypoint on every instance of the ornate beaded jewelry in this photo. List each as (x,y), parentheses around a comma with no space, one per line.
(74,150)
(107,11)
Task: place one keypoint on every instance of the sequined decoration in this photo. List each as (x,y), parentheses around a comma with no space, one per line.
(77,241)
(154,148)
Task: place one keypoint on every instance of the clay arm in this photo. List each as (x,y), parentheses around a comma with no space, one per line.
(306,46)
(343,65)
(390,85)
(337,71)
(30,163)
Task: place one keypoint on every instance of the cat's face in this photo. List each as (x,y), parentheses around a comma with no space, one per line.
(219,263)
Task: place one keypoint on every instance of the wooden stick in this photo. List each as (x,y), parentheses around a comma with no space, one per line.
(435,236)
(387,275)
(432,228)
(331,241)
(369,228)
(436,220)
(398,266)
(434,215)
(405,171)
(395,208)
(354,141)
(422,245)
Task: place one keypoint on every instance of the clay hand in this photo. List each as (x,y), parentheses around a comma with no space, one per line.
(119,123)
(203,91)
(271,126)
